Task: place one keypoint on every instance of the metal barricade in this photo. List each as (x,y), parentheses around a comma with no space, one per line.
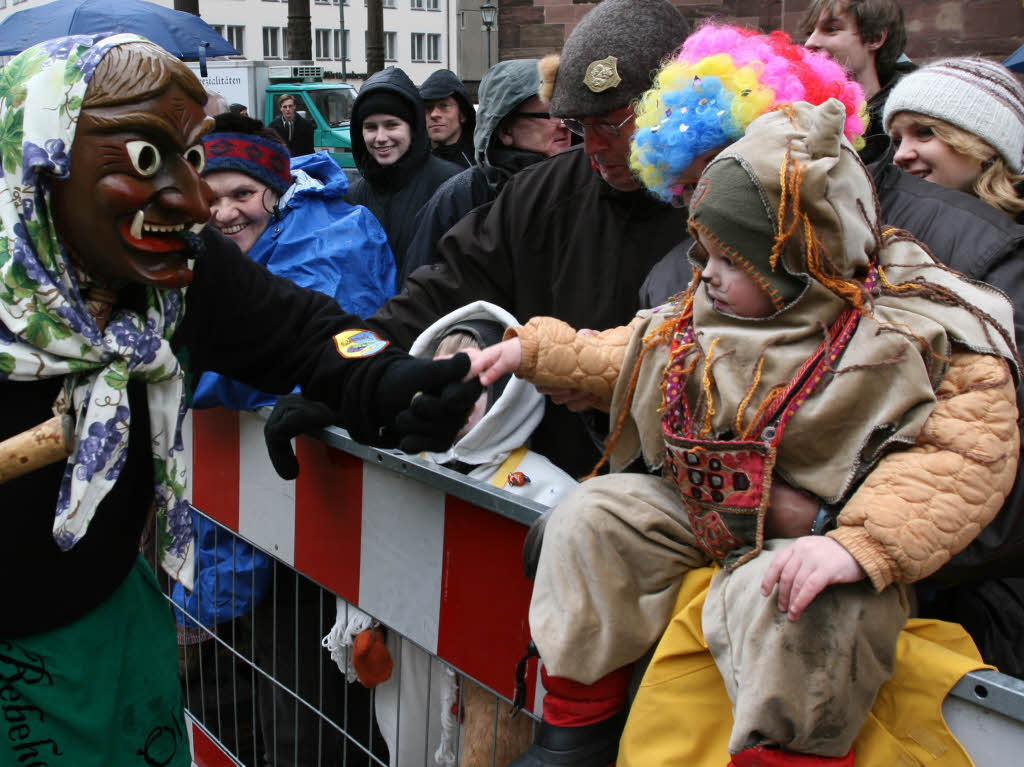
(437,560)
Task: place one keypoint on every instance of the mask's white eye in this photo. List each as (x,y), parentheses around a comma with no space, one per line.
(144,156)
(196,157)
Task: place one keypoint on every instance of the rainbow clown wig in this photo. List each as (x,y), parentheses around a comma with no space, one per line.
(721,80)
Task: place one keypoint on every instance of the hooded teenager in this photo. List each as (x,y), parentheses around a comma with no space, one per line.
(451,119)
(392,152)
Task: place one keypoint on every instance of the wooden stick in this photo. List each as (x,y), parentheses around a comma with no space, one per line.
(40,446)
(52,440)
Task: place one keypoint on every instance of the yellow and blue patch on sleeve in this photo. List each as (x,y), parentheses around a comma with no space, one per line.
(357,343)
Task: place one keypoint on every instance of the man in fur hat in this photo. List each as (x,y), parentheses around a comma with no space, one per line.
(573,235)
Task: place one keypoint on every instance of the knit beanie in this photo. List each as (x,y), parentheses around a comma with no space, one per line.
(386,102)
(730,209)
(610,56)
(265,160)
(975,95)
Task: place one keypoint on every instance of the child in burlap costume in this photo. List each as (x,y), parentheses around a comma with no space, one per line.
(864,346)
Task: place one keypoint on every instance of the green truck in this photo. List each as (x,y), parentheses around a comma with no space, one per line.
(259,84)
(327,104)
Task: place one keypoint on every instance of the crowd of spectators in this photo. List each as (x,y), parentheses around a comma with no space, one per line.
(549,189)
(571,193)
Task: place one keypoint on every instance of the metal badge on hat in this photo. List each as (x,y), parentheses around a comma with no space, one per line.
(602,75)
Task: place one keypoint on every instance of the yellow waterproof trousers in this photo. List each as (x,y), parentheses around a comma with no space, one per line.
(681,716)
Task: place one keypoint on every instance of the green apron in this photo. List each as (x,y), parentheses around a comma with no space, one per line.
(100,692)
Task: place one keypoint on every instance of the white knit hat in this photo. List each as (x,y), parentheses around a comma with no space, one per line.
(978,96)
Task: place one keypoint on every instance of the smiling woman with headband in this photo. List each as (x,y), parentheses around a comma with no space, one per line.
(291,216)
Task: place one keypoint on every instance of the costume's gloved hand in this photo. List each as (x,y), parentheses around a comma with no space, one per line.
(426,402)
(293,415)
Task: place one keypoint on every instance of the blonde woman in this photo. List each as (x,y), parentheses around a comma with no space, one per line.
(960,123)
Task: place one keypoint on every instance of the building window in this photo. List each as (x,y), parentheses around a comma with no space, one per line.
(272,48)
(338,48)
(416,5)
(433,5)
(234,35)
(433,47)
(328,45)
(323,44)
(390,3)
(416,46)
(390,45)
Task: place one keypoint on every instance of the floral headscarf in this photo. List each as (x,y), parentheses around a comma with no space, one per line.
(46,329)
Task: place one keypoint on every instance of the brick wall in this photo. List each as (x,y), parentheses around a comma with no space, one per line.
(936,28)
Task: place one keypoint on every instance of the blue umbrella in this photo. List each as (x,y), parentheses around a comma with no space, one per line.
(185,35)
(1016,60)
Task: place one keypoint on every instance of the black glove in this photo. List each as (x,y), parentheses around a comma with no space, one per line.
(293,415)
(426,402)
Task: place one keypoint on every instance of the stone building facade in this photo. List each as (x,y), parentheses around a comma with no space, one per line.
(936,28)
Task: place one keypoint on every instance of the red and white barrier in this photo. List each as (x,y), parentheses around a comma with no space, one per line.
(437,569)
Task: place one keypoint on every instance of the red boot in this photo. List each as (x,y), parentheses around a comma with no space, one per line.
(772,756)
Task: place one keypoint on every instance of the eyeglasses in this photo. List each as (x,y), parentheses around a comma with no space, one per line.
(603,129)
(538,115)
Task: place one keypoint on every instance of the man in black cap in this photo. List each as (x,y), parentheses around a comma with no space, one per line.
(451,118)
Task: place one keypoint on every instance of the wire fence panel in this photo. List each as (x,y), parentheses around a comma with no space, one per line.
(366,537)
(351,543)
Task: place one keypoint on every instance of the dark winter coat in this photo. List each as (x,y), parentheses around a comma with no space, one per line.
(557,241)
(509,84)
(439,85)
(302,135)
(395,193)
(241,321)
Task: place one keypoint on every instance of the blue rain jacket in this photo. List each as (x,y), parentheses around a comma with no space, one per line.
(320,242)
(232,577)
